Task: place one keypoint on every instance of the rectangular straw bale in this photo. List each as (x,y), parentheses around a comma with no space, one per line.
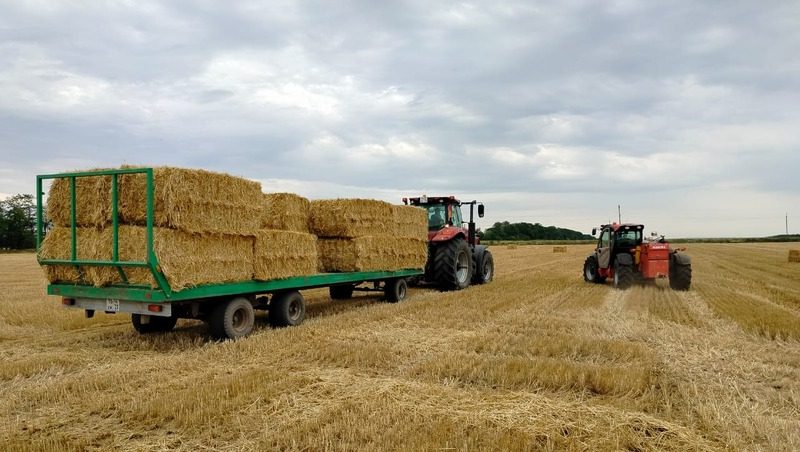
(347,218)
(411,221)
(372,253)
(283,254)
(194,201)
(285,212)
(794,255)
(93,201)
(186,259)
(57,244)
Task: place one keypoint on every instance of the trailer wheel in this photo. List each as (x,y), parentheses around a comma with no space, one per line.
(152,324)
(233,319)
(341,292)
(287,309)
(395,290)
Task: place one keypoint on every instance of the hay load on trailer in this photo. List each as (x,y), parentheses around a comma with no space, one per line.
(170,243)
(367,234)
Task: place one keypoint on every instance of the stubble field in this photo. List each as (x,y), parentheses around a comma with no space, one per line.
(536,360)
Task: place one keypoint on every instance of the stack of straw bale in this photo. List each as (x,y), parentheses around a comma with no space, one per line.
(284,247)
(205,231)
(368,235)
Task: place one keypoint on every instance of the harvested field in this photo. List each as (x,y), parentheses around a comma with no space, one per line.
(536,360)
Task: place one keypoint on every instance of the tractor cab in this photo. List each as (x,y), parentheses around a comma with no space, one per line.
(617,238)
(445,220)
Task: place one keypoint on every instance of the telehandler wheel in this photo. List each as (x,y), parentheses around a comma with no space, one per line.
(152,324)
(395,290)
(484,271)
(232,319)
(623,276)
(453,265)
(680,276)
(341,292)
(287,309)
(590,273)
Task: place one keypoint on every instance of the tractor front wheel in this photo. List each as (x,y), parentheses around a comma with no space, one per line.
(623,276)
(484,270)
(590,271)
(453,265)
(680,276)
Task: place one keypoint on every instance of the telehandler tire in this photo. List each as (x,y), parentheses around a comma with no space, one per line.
(590,273)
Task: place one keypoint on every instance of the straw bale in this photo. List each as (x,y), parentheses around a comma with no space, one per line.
(93,206)
(348,218)
(286,212)
(369,253)
(283,254)
(794,255)
(57,244)
(411,221)
(186,259)
(193,200)
(559,249)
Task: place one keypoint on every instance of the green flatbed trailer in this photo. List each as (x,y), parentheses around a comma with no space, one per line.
(228,308)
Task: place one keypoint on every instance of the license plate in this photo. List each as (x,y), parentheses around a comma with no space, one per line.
(112,305)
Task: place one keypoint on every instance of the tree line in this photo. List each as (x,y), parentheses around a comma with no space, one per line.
(18,222)
(527,231)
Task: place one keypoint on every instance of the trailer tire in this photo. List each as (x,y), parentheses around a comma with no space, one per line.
(395,290)
(341,292)
(153,324)
(232,319)
(287,309)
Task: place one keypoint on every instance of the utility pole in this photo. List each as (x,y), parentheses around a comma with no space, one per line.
(619,214)
(787,223)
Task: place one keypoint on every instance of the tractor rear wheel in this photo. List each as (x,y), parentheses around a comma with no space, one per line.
(623,276)
(453,265)
(484,270)
(680,276)
(590,271)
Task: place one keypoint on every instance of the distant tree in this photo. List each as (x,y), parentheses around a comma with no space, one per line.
(527,231)
(18,222)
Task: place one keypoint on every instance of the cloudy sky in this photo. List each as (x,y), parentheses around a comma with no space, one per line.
(685,113)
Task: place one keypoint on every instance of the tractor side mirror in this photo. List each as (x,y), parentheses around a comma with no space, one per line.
(480,210)
(594,231)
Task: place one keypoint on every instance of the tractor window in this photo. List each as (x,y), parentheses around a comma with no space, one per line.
(605,238)
(628,238)
(436,216)
(457,220)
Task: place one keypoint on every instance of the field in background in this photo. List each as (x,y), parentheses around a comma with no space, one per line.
(536,360)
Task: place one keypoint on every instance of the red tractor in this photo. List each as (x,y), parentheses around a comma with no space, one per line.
(623,255)
(455,257)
